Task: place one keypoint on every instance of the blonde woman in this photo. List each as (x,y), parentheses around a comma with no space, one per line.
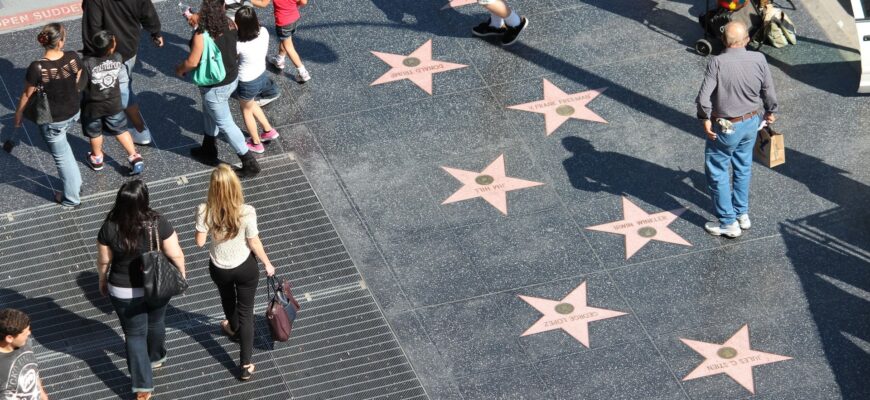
(235,240)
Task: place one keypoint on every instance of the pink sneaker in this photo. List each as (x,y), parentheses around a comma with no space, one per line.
(256,148)
(271,135)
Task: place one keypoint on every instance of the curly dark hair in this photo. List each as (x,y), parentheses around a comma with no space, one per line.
(12,322)
(212,18)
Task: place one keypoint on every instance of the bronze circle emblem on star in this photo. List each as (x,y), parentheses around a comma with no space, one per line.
(484,180)
(647,232)
(411,62)
(564,308)
(565,110)
(727,353)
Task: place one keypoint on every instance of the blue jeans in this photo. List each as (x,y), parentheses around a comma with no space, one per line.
(67,169)
(217,117)
(125,82)
(731,194)
(145,336)
(261,87)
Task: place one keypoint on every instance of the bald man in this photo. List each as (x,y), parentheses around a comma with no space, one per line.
(736,87)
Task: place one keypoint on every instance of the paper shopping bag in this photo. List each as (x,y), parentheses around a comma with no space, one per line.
(770,147)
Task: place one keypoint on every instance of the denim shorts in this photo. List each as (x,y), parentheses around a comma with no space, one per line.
(286,31)
(262,87)
(111,125)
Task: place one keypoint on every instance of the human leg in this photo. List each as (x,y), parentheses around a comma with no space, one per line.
(156,340)
(207,152)
(223,279)
(741,162)
(247,277)
(717,162)
(128,102)
(55,137)
(216,104)
(133,316)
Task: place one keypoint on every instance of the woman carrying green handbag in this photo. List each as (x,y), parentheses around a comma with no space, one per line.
(55,76)
(213,58)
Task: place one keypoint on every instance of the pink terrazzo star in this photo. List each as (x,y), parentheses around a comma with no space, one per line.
(458,3)
(558,106)
(733,358)
(417,67)
(570,314)
(639,228)
(491,184)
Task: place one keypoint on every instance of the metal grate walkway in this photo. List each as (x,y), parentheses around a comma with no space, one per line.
(341,348)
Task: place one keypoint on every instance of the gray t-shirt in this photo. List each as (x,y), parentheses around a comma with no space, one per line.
(19,375)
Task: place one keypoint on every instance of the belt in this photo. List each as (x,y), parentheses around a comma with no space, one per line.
(743,117)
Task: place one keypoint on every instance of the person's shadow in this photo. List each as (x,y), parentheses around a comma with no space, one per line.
(64,331)
(187,322)
(591,170)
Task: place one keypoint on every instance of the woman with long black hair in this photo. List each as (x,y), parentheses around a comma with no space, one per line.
(123,238)
(214,25)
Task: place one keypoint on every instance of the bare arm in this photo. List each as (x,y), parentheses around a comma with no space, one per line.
(192,60)
(261,3)
(43,395)
(256,246)
(25,95)
(201,237)
(301,3)
(104,257)
(172,250)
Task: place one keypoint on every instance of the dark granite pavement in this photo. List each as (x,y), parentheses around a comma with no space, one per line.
(448,277)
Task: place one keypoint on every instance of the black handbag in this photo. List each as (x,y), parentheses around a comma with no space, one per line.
(37,108)
(161,279)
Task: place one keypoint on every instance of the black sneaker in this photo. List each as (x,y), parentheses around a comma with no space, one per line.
(485,29)
(512,32)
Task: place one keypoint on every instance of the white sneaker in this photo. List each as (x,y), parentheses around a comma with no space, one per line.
(303,76)
(142,138)
(744,222)
(716,229)
(277,62)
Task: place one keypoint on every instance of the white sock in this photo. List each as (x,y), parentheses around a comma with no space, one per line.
(495,21)
(513,20)
(279,57)
(301,69)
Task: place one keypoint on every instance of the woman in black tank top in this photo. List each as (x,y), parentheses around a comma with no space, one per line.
(214,26)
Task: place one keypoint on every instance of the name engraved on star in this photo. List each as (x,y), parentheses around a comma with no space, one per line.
(651,220)
(490,189)
(546,104)
(625,225)
(579,317)
(420,70)
(572,99)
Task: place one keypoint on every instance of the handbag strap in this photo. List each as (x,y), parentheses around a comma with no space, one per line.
(153,235)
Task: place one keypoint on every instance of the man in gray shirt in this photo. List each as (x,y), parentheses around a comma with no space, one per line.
(19,374)
(736,86)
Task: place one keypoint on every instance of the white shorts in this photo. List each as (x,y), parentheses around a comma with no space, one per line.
(485,2)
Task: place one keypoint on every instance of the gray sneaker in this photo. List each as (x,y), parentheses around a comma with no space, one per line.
(731,230)
(744,222)
(141,138)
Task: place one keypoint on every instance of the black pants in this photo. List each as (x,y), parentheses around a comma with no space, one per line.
(237,288)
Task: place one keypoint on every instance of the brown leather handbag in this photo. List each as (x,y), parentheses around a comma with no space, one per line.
(281,310)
